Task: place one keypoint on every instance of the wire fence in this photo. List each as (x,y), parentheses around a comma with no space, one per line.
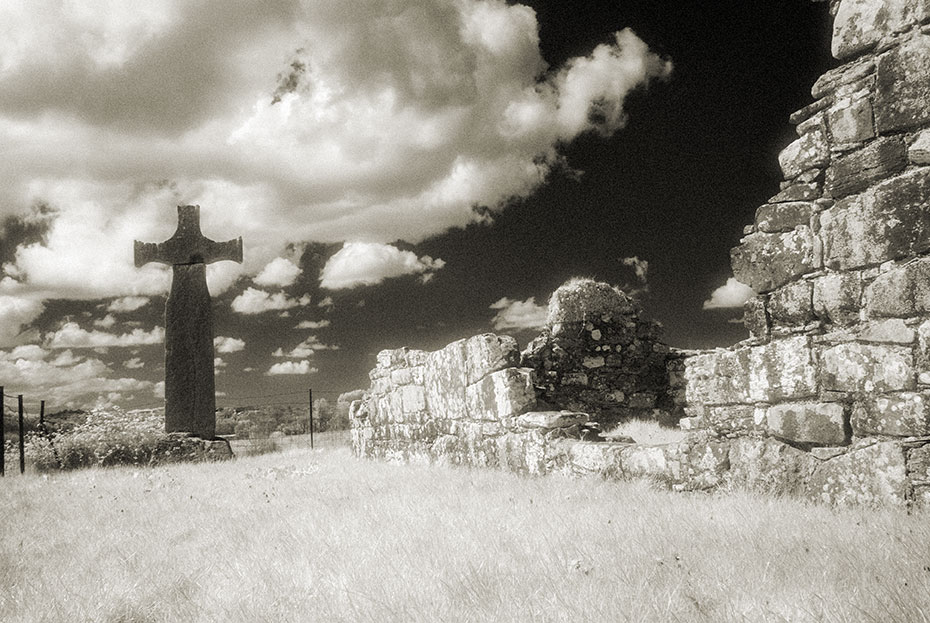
(21,417)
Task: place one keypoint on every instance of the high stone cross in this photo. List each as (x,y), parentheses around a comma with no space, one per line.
(190,399)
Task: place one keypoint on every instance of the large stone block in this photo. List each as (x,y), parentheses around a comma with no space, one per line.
(850,118)
(717,377)
(781,217)
(489,353)
(902,95)
(798,192)
(901,292)
(769,466)
(890,220)
(853,367)
(728,420)
(856,171)
(888,331)
(502,394)
(782,370)
(906,414)
(874,475)
(792,305)
(860,24)
(810,151)
(919,151)
(820,423)
(837,297)
(445,381)
(767,261)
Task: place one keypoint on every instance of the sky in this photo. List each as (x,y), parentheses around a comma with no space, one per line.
(402,173)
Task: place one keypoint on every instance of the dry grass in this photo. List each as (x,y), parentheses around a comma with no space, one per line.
(646,432)
(321,536)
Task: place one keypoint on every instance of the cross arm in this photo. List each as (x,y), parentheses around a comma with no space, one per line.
(188,245)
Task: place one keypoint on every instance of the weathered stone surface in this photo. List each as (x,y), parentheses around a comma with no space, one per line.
(792,304)
(767,261)
(501,394)
(919,151)
(798,192)
(888,221)
(755,318)
(548,420)
(190,395)
(445,381)
(487,353)
(902,95)
(701,462)
(890,331)
(807,152)
(860,24)
(602,459)
(873,475)
(918,465)
(922,352)
(580,299)
(856,367)
(821,423)
(768,465)
(851,118)
(190,398)
(856,171)
(730,420)
(780,217)
(906,414)
(900,292)
(842,75)
(784,369)
(837,297)
(717,377)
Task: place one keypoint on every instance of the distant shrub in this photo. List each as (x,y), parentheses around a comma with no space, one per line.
(108,437)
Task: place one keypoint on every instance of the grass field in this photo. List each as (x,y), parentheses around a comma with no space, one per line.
(318,535)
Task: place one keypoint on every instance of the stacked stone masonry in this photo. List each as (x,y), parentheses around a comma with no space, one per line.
(839,358)
(830,396)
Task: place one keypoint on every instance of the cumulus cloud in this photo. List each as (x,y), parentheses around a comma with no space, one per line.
(291,367)
(127,304)
(280,124)
(71,335)
(305,349)
(106,322)
(15,315)
(224,344)
(518,315)
(254,301)
(369,263)
(134,363)
(312,324)
(731,294)
(280,272)
(63,381)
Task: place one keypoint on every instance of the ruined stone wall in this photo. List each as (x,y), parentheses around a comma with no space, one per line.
(479,401)
(839,361)
(828,399)
(599,356)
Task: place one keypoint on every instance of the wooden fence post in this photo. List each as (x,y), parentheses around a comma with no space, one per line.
(311,418)
(2,435)
(22,446)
